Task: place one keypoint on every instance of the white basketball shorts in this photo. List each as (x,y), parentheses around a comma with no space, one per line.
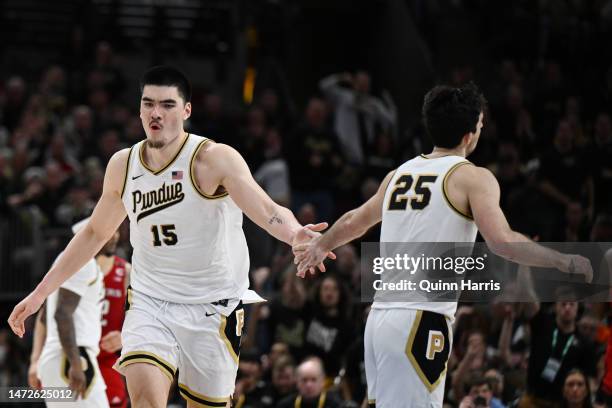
(406,352)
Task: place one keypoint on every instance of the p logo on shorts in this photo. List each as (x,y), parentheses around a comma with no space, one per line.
(435,344)
(428,347)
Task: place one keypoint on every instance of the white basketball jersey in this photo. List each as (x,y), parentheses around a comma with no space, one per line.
(417,209)
(88,283)
(189,247)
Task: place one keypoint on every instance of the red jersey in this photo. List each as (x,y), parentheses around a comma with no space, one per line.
(113,309)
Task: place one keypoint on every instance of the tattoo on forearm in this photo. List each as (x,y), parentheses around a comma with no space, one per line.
(66,304)
(275,219)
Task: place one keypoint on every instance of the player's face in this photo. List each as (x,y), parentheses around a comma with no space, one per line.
(162,112)
(475,136)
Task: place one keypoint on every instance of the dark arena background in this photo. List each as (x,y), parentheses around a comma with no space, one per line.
(264,75)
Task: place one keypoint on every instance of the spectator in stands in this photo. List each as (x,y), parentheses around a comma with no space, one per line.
(15,100)
(474,361)
(253,138)
(565,176)
(311,388)
(602,163)
(314,154)
(357,113)
(283,381)
(250,389)
(479,394)
(330,328)
(286,322)
(556,348)
(576,391)
(273,174)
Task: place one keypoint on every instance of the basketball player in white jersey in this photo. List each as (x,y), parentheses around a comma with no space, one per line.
(184,196)
(73,329)
(438,197)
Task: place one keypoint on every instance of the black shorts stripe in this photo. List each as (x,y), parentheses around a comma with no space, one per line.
(148,357)
(230,330)
(200,400)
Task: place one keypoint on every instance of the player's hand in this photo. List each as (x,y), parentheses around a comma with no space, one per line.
(309,254)
(580,265)
(306,235)
(24,309)
(33,380)
(111,342)
(76,379)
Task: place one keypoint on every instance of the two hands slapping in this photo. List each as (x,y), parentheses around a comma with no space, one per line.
(308,251)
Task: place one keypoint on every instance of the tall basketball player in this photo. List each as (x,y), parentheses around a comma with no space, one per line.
(184,196)
(438,197)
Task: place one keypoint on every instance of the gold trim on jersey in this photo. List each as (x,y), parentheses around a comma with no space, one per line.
(444,188)
(425,157)
(225,339)
(415,326)
(67,380)
(128,298)
(127,170)
(94,280)
(150,358)
(201,399)
(156,172)
(192,178)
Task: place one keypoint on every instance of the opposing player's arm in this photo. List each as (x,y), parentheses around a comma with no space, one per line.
(226,167)
(108,214)
(67,302)
(483,197)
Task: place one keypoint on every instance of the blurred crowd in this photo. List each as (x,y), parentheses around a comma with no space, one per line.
(547,137)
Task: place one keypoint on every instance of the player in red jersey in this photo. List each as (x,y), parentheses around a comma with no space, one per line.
(116,277)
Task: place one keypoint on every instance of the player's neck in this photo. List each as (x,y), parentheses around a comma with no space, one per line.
(156,158)
(442,151)
(105,263)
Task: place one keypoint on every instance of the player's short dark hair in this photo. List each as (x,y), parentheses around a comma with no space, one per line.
(165,75)
(450,113)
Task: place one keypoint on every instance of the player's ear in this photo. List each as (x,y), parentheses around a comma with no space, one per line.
(187,111)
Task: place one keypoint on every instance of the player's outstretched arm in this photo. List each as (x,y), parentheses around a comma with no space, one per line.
(483,197)
(350,226)
(106,218)
(221,165)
